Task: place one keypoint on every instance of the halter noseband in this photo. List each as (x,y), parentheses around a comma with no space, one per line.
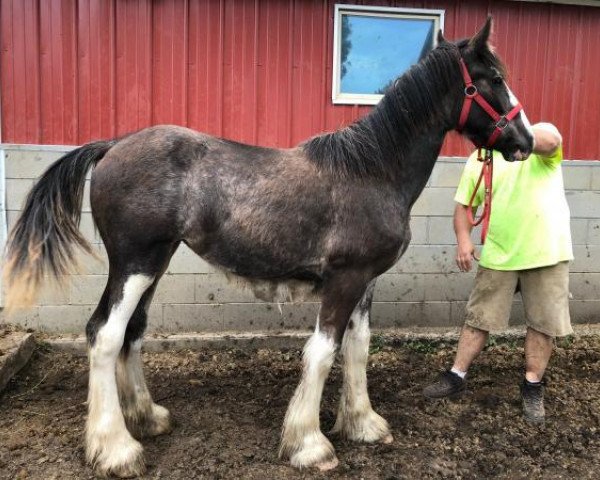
(471,93)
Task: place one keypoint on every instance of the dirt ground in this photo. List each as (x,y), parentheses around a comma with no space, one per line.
(229,405)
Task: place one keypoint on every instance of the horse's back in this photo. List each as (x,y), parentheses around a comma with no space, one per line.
(170,183)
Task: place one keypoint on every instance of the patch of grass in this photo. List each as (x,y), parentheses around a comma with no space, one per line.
(422,346)
(565,342)
(377,344)
(511,343)
(43,346)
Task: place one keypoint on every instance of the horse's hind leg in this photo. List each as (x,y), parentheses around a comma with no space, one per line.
(356,418)
(134,272)
(110,448)
(143,417)
(302,440)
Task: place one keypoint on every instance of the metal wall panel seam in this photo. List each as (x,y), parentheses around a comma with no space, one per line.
(290,99)
(221,69)
(255,62)
(76,75)
(3,219)
(186,66)
(576,80)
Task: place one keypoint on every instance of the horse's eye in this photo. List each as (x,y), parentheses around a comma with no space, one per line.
(497,80)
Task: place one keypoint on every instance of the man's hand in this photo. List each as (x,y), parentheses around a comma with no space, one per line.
(465,254)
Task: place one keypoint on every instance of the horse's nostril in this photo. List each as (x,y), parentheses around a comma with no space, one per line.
(525,147)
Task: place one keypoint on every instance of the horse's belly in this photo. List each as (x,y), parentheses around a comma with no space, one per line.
(277,291)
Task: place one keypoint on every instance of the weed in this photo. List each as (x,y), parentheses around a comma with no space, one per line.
(565,342)
(422,346)
(511,343)
(377,344)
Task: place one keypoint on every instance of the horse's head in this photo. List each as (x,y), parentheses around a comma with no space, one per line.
(490,115)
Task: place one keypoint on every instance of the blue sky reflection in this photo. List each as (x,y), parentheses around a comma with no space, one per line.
(381,49)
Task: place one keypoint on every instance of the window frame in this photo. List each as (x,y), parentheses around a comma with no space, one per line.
(340,98)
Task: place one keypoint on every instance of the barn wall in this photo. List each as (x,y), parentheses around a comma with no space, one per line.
(257,71)
(260,72)
(424,289)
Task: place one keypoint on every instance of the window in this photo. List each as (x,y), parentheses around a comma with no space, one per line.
(374,45)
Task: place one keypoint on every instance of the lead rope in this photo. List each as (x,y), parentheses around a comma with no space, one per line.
(487,171)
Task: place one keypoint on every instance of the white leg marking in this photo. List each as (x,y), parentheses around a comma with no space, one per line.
(142,416)
(356,418)
(302,440)
(110,447)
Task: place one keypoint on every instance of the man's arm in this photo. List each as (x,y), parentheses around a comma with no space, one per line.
(546,139)
(465,251)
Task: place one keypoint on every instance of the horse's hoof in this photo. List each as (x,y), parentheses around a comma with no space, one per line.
(329,465)
(314,450)
(123,458)
(151,422)
(368,427)
(122,471)
(160,422)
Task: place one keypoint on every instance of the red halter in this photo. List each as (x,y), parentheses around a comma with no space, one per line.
(471,93)
(487,170)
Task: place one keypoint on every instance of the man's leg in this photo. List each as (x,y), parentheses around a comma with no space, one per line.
(488,309)
(470,344)
(545,294)
(538,350)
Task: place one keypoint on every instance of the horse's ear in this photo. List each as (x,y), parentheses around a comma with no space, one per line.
(480,40)
(440,37)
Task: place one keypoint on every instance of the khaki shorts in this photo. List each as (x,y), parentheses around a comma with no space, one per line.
(545,293)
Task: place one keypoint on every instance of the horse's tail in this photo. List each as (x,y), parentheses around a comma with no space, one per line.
(41,242)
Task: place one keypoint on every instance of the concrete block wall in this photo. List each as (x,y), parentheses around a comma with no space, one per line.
(425,288)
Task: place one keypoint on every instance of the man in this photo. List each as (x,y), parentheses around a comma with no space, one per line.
(528,247)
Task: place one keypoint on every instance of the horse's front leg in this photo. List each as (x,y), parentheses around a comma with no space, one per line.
(302,440)
(356,418)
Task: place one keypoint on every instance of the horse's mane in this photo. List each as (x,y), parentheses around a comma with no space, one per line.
(368,146)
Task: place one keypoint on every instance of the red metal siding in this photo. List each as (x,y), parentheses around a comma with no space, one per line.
(257,71)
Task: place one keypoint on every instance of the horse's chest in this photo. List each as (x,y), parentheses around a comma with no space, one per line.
(380,248)
(390,243)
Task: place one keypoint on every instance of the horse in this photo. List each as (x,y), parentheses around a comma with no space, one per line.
(322,219)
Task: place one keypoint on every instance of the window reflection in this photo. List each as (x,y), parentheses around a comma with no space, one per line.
(375,50)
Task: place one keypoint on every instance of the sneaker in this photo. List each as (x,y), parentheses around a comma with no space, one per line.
(533,401)
(447,384)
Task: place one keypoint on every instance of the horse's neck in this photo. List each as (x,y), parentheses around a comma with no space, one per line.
(418,164)
(414,156)
(412,117)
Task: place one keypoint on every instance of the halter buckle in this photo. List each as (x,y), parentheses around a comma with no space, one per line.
(502,123)
(470,91)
